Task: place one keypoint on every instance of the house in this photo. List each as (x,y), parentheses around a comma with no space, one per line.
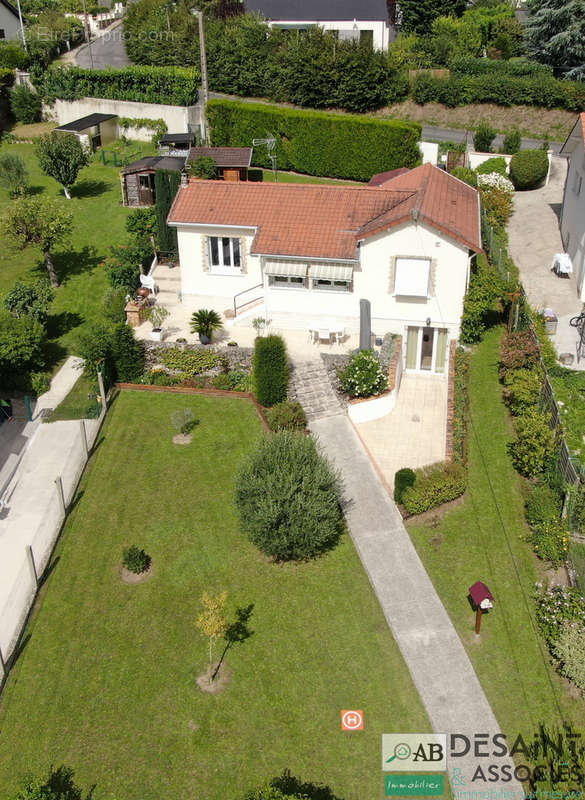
(10,27)
(573,210)
(232,162)
(137,179)
(176,144)
(311,252)
(94,130)
(358,20)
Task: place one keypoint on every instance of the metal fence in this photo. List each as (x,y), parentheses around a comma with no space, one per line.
(33,555)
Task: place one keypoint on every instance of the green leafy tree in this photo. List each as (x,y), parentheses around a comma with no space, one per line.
(483,137)
(204,167)
(417,16)
(22,343)
(25,104)
(38,221)
(31,300)
(13,174)
(533,444)
(62,156)
(555,34)
(166,184)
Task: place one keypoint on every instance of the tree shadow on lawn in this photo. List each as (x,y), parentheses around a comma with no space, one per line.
(75,262)
(90,188)
(34,190)
(290,785)
(60,324)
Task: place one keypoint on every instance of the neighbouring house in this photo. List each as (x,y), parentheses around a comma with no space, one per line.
(357,20)
(233,163)
(93,131)
(10,27)
(311,252)
(573,210)
(137,179)
(176,144)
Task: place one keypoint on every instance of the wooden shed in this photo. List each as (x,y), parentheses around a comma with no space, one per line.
(137,179)
(232,162)
(176,144)
(94,130)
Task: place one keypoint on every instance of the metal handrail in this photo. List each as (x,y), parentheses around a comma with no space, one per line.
(247,303)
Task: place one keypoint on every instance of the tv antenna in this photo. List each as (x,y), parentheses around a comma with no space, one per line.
(271,147)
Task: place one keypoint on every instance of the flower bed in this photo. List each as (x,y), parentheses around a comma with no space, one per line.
(198,366)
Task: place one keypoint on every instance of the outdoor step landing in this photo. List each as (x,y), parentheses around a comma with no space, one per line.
(311,387)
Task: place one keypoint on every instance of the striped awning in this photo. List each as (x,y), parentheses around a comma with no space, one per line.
(290,269)
(331,272)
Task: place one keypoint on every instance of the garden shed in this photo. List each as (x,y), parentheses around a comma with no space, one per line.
(176,144)
(137,179)
(94,130)
(232,162)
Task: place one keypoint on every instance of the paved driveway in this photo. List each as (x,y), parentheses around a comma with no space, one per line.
(106,51)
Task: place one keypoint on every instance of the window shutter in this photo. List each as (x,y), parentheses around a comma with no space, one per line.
(205,253)
(392,276)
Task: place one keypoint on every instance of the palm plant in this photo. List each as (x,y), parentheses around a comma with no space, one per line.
(205,322)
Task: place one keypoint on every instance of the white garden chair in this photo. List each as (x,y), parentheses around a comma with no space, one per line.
(148,282)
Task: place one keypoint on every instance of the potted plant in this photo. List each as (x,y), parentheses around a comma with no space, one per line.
(204,322)
(157,315)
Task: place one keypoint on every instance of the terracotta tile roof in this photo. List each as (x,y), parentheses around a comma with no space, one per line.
(224,156)
(327,221)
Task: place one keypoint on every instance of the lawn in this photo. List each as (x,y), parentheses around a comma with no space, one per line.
(99,221)
(297,177)
(484,540)
(107,680)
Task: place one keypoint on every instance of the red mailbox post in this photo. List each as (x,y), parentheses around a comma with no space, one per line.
(483,600)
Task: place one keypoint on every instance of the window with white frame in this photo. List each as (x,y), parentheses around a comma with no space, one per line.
(224,254)
(287,282)
(332,285)
(412,277)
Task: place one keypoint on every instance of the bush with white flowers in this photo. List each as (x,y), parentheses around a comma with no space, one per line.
(494,180)
(363,376)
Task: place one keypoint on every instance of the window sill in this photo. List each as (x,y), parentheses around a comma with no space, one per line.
(226,271)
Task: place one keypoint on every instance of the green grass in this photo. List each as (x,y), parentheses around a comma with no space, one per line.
(99,221)
(569,389)
(485,540)
(296,177)
(106,682)
(77,402)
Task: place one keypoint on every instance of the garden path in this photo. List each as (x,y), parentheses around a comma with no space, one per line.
(310,385)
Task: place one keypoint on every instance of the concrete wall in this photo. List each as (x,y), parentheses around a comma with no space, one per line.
(179,119)
(430,152)
(474,159)
(9,23)
(573,215)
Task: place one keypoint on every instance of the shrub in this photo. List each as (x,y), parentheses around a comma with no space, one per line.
(114,304)
(287,416)
(136,560)
(435,485)
(40,383)
(483,137)
(94,345)
(13,174)
(158,377)
(13,55)
(512,142)
(363,376)
(127,354)
(189,362)
(124,263)
(496,164)
(205,321)
(403,479)
(520,67)
(31,300)
(496,203)
(466,175)
(461,406)
(270,370)
(357,147)
(175,86)
(570,651)
(204,167)
(519,350)
(482,301)
(22,347)
(533,444)
(25,104)
(555,607)
(522,389)
(287,496)
(528,168)
(550,541)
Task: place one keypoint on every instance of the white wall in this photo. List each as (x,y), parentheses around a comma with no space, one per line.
(379,27)
(474,159)
(573,216)
(430,152)
(9,23)
(177,118)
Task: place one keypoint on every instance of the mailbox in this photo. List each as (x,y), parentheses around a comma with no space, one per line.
(483,600)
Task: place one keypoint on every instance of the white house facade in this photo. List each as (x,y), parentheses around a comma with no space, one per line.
(9,21)
(364,21)
(310,253)
(573,211)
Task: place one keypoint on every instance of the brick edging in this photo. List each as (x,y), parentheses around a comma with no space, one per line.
(450,401)
(394,365)
(143,387)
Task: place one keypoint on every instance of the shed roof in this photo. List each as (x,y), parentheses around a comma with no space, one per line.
(224,156)
(177,138)
(320,10)
(171,163)
(86,122)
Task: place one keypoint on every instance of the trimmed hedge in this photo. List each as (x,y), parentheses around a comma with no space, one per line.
(528,168)
(317,143)
(165,85)
(270,370)
(519,68)
(403,480)
(435,485)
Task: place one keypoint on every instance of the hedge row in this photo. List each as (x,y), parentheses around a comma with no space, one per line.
(503,90)
(317,143)
(6,81)
(167,85)
(519,68)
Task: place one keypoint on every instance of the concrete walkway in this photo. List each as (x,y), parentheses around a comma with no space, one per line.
(534,239)
(414,433)
(432,650)
(311,387)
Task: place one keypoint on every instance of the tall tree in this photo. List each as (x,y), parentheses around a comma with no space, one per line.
(38,221)
(416,16)
(212,620)
(62,156)
(555,34)
(165,188)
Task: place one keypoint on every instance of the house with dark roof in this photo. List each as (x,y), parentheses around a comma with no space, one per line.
(358,20)
(9,21)
(93,131)
(573,209)
(232,162)
(311,252)
(137,179)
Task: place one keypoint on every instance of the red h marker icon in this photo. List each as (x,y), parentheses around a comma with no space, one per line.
(352,720)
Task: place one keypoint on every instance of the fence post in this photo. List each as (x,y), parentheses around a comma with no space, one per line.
(102,390)
(60,494)
(83,437)
(31,562)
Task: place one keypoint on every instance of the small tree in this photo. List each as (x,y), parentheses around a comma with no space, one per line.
(25,104)
(127,354)
(212,621)
(13,174)
(31,300)
(41,222)
(204,167)
(183,420)
(62,156)
(484,137)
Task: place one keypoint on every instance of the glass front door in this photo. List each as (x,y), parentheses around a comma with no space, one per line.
(426,349)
